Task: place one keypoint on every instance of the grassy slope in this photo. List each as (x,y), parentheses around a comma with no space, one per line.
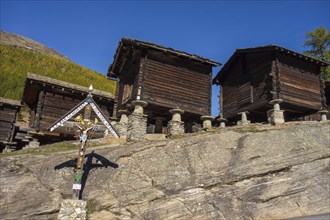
(16,62)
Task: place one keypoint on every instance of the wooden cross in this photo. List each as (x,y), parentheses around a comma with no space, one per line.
(86,126)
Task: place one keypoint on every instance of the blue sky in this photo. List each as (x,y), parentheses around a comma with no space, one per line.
(88,32)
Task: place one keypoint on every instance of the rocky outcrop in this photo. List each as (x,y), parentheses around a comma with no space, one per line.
(252,172)
(16,40)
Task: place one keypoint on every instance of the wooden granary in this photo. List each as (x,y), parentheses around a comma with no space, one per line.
(8,115)
(164,78)
(49,99)
(254,76)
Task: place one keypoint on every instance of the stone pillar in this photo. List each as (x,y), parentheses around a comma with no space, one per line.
(275,116)
(34,143)
(72,209)
(159,124)
(207,122)
(114,123)
(123,116)
(121,126)
(175,126)
(222,122)
(323,114)
(243,120)
(137,122)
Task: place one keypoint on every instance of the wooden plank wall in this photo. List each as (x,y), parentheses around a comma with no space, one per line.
(8,116)
(300,83)
(130,75)
(172,86)
(229,88)
(56,105)
(247,84)
(260,66)
(119,94)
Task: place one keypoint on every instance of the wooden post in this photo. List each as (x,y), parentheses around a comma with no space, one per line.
(145,61)
(84,131)
(88,104)
(273,78)
(115,106)
(221,100)
(40,104)
(209,108)
(278,80)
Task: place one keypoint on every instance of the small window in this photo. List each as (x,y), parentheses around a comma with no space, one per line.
(127,92)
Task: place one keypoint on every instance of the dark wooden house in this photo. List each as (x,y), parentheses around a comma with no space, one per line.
(49,99)
(8,115)
(254,76)
(166,79)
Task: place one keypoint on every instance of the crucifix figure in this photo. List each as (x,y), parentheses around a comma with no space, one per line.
(85,127)
(79,170)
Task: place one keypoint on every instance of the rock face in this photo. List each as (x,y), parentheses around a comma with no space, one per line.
(251,172)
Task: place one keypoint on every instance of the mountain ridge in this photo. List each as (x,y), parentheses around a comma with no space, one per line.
(20,55)
(20,41)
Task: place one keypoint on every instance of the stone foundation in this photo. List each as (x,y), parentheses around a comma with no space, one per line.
(137,127)
(222,122)
(207,122)
(243,121)
(121,126)
(323,114)
(121,129)
(175,127)
(32,144)
(72,209)
(275,117)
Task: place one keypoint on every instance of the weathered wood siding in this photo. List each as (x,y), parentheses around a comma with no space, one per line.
(259,66)
(132,72)
(248,85)
(133,81)
(173,86)
(8,115)
(253,77)
(164,78)
(229,89)
(299,82)
(54,105)
(119,94)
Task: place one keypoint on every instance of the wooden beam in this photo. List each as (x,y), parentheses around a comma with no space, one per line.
(40,103)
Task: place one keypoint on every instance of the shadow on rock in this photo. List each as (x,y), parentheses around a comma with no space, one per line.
(88,166)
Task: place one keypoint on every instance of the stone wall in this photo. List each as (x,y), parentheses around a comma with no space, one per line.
(72,210)
(175,127)
(121,129)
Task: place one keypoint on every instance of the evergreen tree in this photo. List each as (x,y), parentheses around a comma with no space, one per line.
(318,42)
